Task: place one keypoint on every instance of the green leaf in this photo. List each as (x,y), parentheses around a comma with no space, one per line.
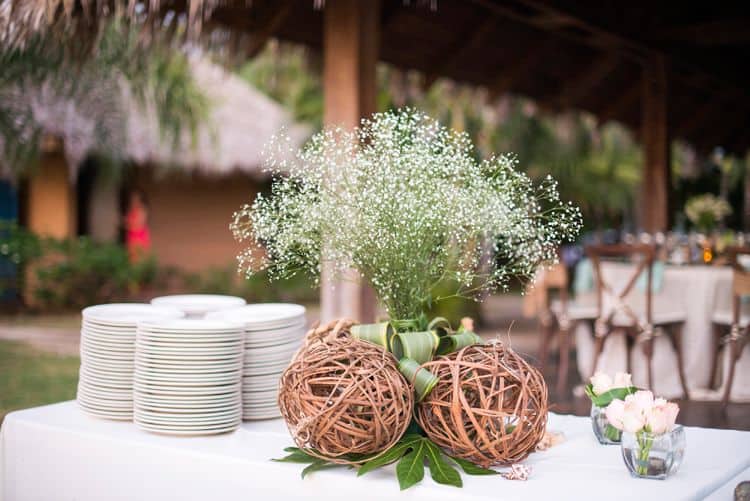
(440,470)
(606,398)
(424,381)
(296,456)
(379,334)
(393,454)
(419,346)
(317,465)
(471,469)
(410,469)
(612,433)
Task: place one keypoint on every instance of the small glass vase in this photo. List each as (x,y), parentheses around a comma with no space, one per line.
(653,456)
(605,433)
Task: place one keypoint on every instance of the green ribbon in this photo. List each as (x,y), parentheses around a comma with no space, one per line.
(413,346)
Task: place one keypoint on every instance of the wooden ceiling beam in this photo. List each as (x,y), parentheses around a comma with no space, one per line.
(710,33)
(692,123)
(575,89)
(517,69)
(268,28)
(467,41)
(618,106)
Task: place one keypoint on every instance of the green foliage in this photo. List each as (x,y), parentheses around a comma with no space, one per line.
(411,454)
(75,272)
(29,377)
(606,398)
(89,70)
(287,74)
(257,288)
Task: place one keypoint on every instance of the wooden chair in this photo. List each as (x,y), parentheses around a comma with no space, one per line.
(640,327)
(737,324)
(560,318)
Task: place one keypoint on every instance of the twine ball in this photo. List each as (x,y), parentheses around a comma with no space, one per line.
(489,405)
(342,396)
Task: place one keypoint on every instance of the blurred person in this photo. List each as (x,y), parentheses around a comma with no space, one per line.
(137,233)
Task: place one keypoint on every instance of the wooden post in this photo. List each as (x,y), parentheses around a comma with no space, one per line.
(350,53)
(656,146)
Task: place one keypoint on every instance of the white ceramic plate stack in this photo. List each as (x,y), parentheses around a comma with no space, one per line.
(105,383)
(273,333)
(198,305)
(188,376)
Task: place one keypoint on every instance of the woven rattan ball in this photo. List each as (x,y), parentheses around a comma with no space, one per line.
(489,405)
(342,396)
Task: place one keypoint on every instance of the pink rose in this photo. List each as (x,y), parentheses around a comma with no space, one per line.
(657,420)
(622,380)
(671,410)
(614,413)
(633,418)
(642,400)
(601,383)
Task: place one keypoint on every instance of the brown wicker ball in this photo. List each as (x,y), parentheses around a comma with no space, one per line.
(489,406)
(342,396)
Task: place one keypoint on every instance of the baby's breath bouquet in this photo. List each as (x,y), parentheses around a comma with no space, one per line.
(404,201)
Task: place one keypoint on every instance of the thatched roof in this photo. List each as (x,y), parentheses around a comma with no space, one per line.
(565,54)
(241,121)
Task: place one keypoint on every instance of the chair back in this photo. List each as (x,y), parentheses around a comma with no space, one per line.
(642,256)
(740,280)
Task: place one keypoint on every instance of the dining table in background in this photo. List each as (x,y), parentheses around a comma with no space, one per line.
(696,290)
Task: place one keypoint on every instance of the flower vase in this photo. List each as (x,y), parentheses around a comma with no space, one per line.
(605,433)
(653,456)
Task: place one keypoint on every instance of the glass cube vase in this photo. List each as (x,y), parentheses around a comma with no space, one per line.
(605,433)
(653,456)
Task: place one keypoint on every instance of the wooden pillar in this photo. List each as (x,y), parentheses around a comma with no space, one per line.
(350,53)
(51,205)
(656,146)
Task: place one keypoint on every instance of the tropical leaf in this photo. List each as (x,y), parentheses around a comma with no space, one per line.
(471,469)
(410,469)
(440,470)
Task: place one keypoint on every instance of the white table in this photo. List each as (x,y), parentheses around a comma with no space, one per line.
(698,291)
(57,453)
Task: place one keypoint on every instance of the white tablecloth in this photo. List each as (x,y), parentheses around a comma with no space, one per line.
(58,453)
(698,291)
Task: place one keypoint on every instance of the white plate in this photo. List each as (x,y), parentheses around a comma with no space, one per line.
(144,389)
(187,407)
(172,381)
(199,304)
(186,401)
(230,412)
(264,371)
(264,315)
(98,392)
(101,413)
(185,426)
(106,337)
(104,405)
(127,314)
(113,371)
(106,347)
(189,338)
(104,354)
(170,430)
(194,359)
(188,369)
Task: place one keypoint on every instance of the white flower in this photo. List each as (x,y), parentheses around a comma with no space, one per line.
(622,380)
(403,201)
(601,383)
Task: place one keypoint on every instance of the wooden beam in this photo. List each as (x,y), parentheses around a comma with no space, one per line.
(617,107)
(517,69)
(577,88)
(468,41)
(656,147)
(351,39)
(709,33)
(267,29)
(697,119)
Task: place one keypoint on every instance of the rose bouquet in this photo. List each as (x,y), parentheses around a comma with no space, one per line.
(602,390)
(652,445)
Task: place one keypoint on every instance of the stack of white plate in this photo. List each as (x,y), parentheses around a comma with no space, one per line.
(105,385)
(273,333)
(197,305)
(188,376)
